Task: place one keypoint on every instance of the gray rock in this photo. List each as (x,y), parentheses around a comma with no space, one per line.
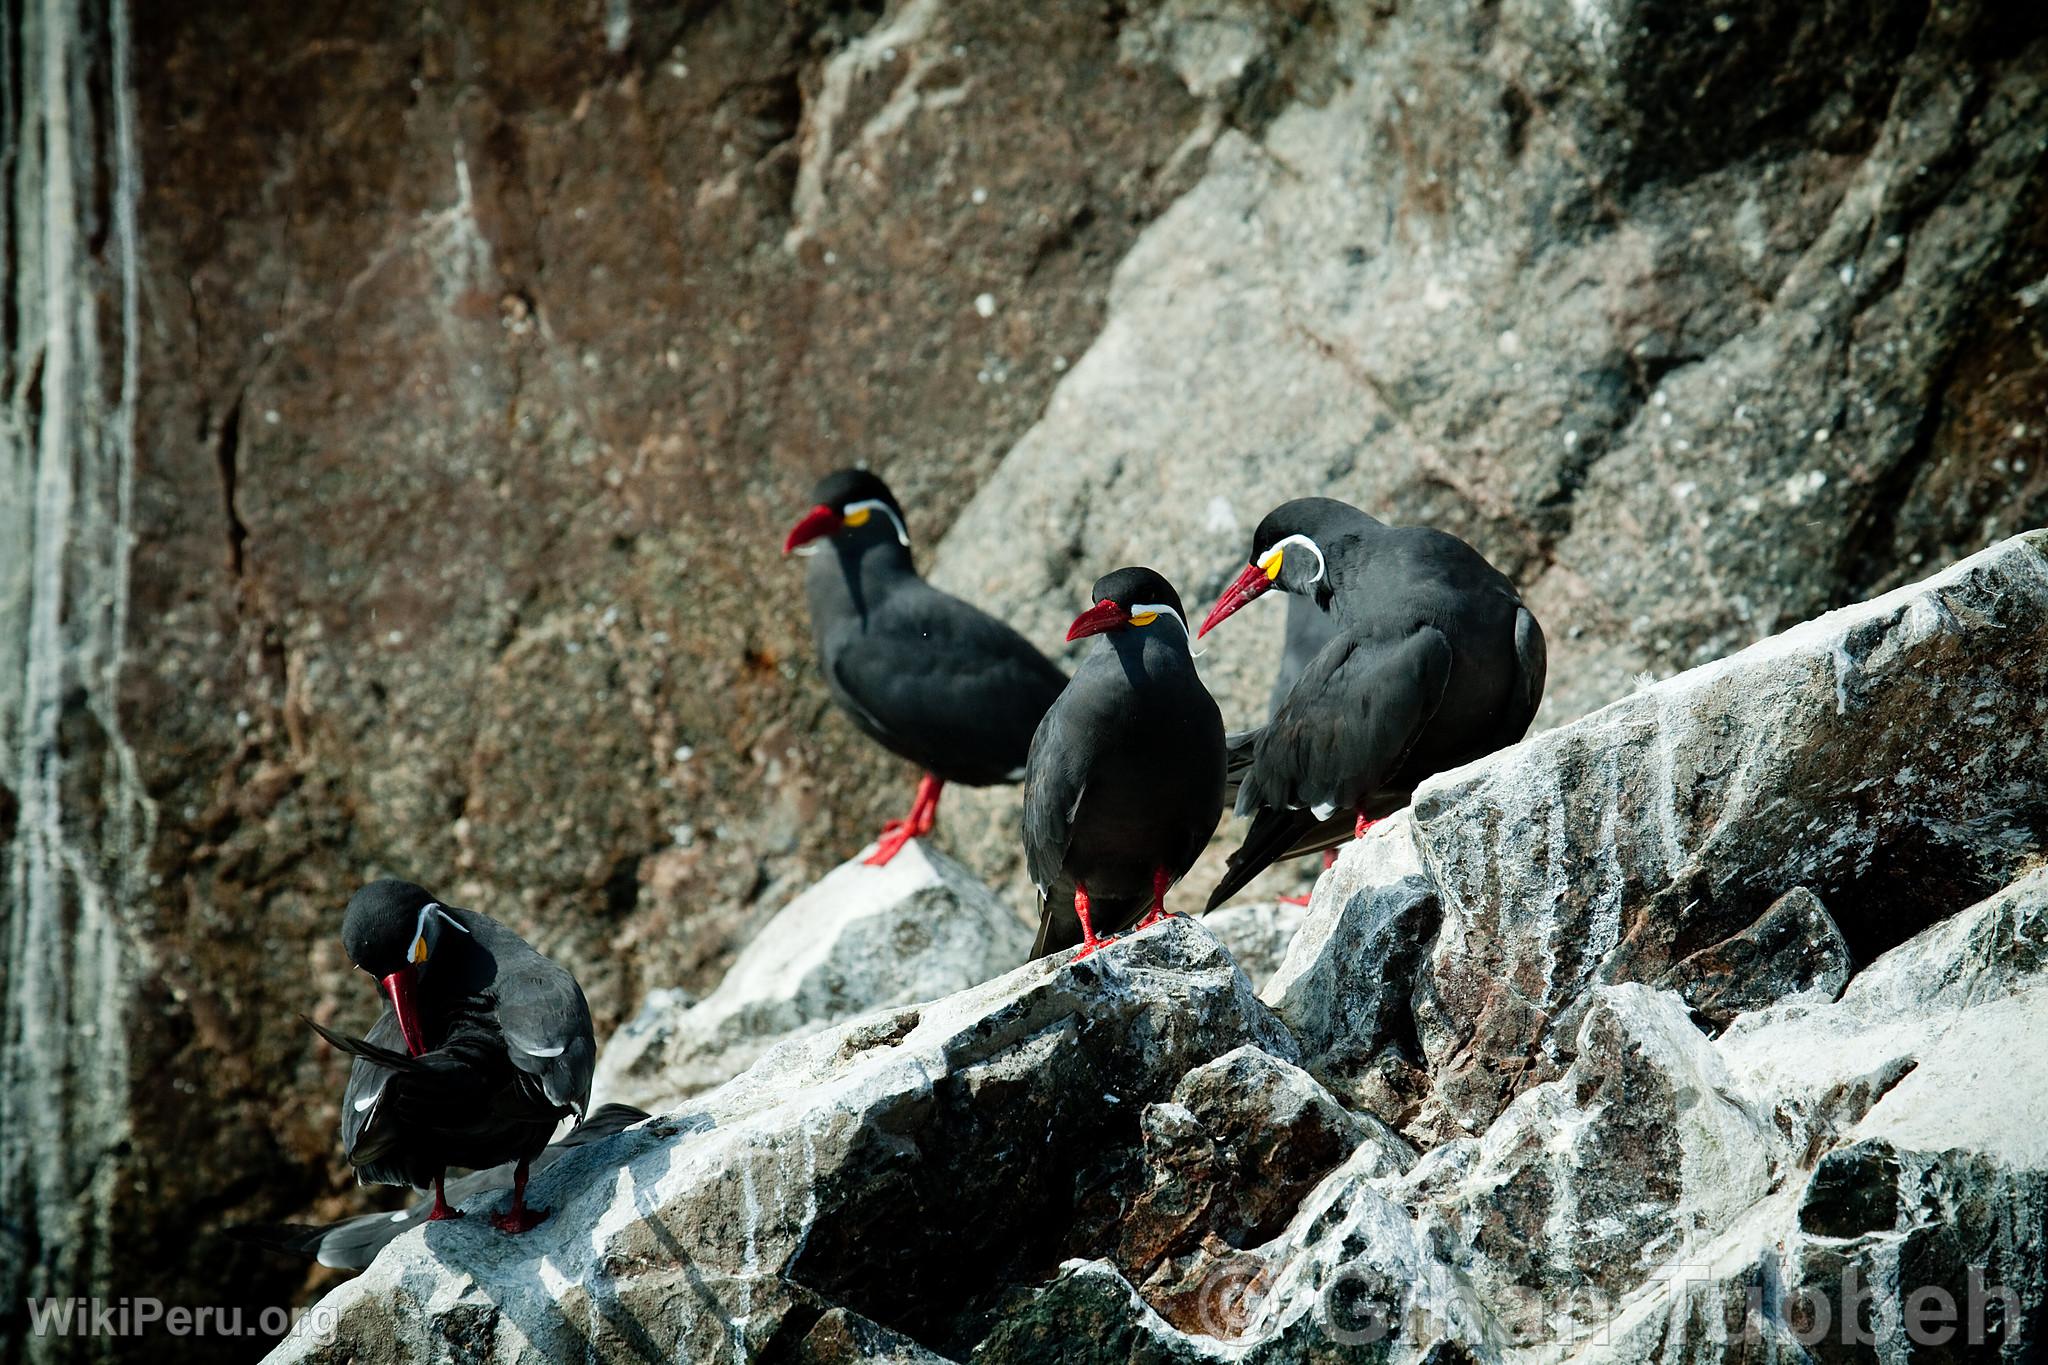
(1227,1161)
(1344,988)
(1124,1160)
(1891,757)
(1689,339)
(864,938)
(1257,935)
(1794,946)
(1642,1145)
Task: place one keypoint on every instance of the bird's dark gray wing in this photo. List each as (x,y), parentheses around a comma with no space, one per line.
(959,683)
(366,1082)
(1055,779)
(546,1023)
(1531,662)
(1348,722)
(1342,732)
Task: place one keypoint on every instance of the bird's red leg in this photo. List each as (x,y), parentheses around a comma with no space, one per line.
(924,810)
(924,813)
(441,1208)
(1089,943)
(1161,880)
(519,1218)
(1365,822)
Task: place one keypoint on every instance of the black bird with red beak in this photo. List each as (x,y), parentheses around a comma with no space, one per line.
(483,1048)
(923,674)
(1125,780)
(353,1243)
(1433,662)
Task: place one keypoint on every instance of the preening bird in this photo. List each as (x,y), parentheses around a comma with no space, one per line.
(925,675)
(1434,662)
(353,1243)
(1125,780)
(483,1048)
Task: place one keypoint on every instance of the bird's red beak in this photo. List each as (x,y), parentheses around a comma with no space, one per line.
(1249,585)
(398,986)
(819,521)
(1103,616)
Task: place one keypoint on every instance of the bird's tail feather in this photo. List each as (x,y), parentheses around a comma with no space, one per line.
(371,1053)
(300,1239)
(1274,834)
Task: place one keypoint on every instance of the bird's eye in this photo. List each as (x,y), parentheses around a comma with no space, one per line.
(1271,560)
(1144,618)
(857,516)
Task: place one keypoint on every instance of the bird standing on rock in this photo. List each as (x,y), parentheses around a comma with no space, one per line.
(926,676)
(1434,662)
(1125,780)
(484,1047)
(353,1243)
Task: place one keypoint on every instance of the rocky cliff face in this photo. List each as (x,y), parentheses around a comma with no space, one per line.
(406,405)
(1549,1111)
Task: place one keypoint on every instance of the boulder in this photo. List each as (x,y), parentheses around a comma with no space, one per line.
(1227,1161)
(1131,1160)
(862,939)
(1891,758)
(1794,946)
(1345,986)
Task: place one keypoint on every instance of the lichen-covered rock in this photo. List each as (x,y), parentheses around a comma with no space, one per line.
(861,939)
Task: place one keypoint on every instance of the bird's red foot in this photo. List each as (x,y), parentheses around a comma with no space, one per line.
(924,814)
(895,835)
(1364,823)
(1162,882)
(519,1219)
(1089,942)
(1294,900)
(443,1210)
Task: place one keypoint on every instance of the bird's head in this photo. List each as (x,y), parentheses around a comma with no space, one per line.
(1130,599)
(1287,553)
(853,507)
(392,930)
